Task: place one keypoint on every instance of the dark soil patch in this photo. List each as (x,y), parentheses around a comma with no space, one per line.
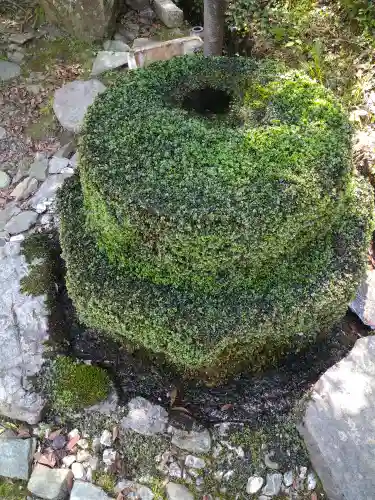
(254,399)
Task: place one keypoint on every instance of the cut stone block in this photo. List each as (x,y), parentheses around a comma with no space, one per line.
(140,57)
(50,484)
(15,457)
(339,425)
(168,12)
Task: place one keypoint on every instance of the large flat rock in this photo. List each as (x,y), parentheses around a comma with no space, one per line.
(339,425)
(16,456)
(23,331)
(72,100)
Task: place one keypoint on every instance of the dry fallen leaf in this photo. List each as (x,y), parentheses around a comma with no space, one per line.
(173,396)
(115,433)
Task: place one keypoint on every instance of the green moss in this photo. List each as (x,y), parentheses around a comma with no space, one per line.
(44,55)
(72,385)
(11,489)
(220,241)
(105,480)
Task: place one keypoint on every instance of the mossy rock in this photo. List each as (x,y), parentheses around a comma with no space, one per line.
(217,218)
(72,385)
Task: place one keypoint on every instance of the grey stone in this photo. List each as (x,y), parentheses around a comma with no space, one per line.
(38,169)
(109,456)
(140,491)
(168,12)
(57,165)
(288,478)
(364,303)
(4,180)
(16,57)
(21,222)
(72,100)
(66,150)
(8,212)
(339,425)
(193,441)
(107,406)
(9,70)
(178,492)
(174,470)
(16,456)
(194,462)
(50,484)
(138,4)
(84,19)
(106,438)
(74,160)
(23,333)
(46,194)
(21,38)
(87,491)
(78,470)
(116,46)
(146,16)
(273,484)
(3,133)
(128,32)
(254,484)
(145,418)
(106,61)
(270,464)
(24,189)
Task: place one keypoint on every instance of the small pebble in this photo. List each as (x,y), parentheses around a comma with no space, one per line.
(83,456)
(69,460)
(228,475)
(288,478)
(3,133)
(175,470)
(270,464)
(194,462)
(106,438)
(96,444)
(109,456)
(78,471)
(73,433)
(83,444)
(302,472)
(311,481)
(254,484)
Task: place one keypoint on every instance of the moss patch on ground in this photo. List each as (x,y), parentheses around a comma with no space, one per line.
(11,489)
(72,385)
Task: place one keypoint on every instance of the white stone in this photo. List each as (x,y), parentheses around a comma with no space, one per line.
(4,180)
(74,160)
(116,46)
(273,485)
(311,481)
(288,478)
(174,470)
(3,133)
(83,444)
(25,189)
(193,441)
(254,484)
(194,462)
(108,60)
(145,418)
(83,456)
(56,165)
(302,472)
(21,222)
(364,303)
(109,456)
(69,460)
(87,491)
(78,470)
(106,438)
(72,100)
(168,12)
(73,433)
(178,492)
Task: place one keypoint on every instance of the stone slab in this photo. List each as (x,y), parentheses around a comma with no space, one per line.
(50,484)
(364,303)
(16,457)
(107,60)
(23,332)
(339,425)
(168,12)
(72,100)
(86,491)
(8,70)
